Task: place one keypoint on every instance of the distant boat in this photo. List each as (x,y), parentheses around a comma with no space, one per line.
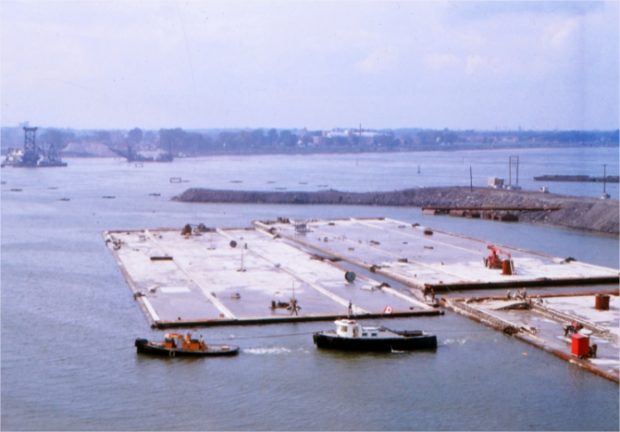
(351,336)
(176,345)
(578,178)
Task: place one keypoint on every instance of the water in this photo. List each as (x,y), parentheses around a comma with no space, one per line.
(69,320)
(367,172)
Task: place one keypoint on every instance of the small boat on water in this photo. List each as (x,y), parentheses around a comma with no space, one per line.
(351,336)
(176,345)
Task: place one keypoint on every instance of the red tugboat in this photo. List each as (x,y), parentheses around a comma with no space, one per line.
(176,345)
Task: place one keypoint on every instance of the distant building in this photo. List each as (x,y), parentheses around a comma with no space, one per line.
(495,182)
(345,133)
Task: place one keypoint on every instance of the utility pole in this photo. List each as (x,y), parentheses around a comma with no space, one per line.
(513,160)
(605,194)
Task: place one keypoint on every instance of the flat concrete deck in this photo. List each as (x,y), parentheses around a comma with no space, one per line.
(542,324)
(201,279)
(419,257)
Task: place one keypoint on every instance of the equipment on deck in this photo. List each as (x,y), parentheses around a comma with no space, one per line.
(494,261)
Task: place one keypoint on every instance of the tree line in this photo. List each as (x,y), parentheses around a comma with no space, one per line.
(186,143)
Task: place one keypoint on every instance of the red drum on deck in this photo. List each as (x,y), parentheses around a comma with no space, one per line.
(580,345)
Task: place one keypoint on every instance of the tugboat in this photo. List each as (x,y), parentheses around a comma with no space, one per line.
(176,345)
(351,336)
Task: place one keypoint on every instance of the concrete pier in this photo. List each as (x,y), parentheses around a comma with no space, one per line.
(237,276)
(541,321)
(225,276)
(423,257)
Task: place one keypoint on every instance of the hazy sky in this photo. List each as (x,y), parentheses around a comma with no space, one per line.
(315,64)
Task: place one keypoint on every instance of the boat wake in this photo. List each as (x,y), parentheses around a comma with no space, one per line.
(267,351)
(455,341)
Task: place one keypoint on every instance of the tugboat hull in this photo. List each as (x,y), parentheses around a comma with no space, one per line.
(143,346)
(402,343)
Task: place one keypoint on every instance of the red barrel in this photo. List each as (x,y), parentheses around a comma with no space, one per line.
(601,302)
(507,267)
(580,346)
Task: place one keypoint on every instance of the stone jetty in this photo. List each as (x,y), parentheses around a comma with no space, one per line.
(582,213)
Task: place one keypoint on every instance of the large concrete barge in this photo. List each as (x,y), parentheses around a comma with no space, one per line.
(544,321)
(287,271)
(421,257)
(243,276)
(283,271)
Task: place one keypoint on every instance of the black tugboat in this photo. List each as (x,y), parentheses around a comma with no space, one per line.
(176,345)
(351,336)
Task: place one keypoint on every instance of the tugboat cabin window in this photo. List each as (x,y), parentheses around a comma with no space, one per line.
(373,334)
(343,328)
(364,334)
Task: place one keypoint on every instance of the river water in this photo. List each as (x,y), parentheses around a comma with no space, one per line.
(69,319)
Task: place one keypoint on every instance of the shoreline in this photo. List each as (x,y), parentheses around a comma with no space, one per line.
(97,154)
(581,213)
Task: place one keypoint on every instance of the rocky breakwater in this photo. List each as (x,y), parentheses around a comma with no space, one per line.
(583,213)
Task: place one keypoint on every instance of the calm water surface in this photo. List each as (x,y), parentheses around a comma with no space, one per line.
(69,320)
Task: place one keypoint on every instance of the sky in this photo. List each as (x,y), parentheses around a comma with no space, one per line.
(92,64)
